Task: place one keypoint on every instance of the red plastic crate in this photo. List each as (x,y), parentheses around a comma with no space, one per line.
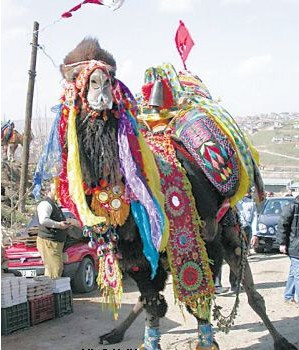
(42,309)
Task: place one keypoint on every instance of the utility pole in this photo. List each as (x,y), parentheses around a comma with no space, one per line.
(28,116)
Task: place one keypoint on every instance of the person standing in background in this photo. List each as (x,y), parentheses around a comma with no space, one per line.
(289,193)
(288,238)
(248,217)
(51,234)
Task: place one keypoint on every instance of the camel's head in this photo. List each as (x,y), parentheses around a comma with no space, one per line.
(90,72)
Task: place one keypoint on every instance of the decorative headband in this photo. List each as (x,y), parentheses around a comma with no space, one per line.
(88,62)
(79,87)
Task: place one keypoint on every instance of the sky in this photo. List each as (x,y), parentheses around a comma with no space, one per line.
(246,51)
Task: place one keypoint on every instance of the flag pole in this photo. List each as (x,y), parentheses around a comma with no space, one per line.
(28,116)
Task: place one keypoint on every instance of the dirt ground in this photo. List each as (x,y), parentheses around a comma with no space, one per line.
(80,330)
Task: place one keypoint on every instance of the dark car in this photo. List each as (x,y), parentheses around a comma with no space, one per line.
(80,261)
(267,222)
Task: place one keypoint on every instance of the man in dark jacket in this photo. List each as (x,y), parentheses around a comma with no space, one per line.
(51,234)
(288,237)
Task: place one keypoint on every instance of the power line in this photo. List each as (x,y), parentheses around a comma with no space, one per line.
(42,48)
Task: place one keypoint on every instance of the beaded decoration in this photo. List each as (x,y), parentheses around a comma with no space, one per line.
(110,276)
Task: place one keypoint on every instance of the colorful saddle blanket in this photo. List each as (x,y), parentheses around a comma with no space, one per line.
(211,150)
(7,134)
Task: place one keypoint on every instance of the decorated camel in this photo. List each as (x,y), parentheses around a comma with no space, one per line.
(153,186)
(10,140)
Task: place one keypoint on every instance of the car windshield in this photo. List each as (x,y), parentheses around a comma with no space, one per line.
(274,206)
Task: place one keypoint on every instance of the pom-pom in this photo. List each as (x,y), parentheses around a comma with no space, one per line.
(146,91)
(167,93)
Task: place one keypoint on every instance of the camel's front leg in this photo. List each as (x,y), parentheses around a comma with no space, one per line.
(118,333)
(11,152)
(4,152)
(154,304)
(150,300)
(151,333)
(256,301)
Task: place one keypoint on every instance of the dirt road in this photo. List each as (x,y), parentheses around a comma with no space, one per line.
(279,154)
(80,330)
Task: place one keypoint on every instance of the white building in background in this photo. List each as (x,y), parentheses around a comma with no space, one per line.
(277,185)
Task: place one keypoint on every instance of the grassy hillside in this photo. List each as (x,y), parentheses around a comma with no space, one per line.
(262,140)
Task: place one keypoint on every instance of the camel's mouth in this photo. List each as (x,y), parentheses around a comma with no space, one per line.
(100,103)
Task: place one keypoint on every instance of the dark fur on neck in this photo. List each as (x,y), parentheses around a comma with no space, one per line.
(98,149)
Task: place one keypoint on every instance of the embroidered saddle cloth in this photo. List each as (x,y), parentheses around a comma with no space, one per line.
(210,148)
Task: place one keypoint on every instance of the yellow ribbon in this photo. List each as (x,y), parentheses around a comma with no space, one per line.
(74,174)
(153,179)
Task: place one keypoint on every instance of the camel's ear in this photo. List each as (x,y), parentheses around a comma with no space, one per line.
(70,74)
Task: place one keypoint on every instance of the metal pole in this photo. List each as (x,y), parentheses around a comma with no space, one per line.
(28,116)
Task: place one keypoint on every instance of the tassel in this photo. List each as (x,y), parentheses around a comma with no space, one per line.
(116,217)
(146,91)
(110,282)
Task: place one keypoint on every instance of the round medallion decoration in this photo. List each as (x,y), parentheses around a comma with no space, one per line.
(117,190)
(103,196)
(191,276)
(175,201)
(183,240)
(115,204)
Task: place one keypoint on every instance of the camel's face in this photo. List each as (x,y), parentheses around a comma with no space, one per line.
(99,94)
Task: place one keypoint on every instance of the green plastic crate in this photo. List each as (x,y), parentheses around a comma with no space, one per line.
(14,318)
(63,303)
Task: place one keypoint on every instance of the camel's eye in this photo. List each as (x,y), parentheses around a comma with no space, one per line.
(95,84)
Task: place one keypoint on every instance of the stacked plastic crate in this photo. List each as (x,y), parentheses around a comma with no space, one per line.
(26,302)
(14,305)
(41,300)
(63,296)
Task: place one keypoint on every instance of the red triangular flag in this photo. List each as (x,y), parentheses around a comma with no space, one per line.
(184,42)
(113,4)
(97,2)
(69,14)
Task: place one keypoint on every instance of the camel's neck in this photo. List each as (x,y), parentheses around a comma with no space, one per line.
(16,138)
(19,138)
(98,149)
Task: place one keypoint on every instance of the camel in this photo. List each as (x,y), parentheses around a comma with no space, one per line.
(9,147)
(110,178)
